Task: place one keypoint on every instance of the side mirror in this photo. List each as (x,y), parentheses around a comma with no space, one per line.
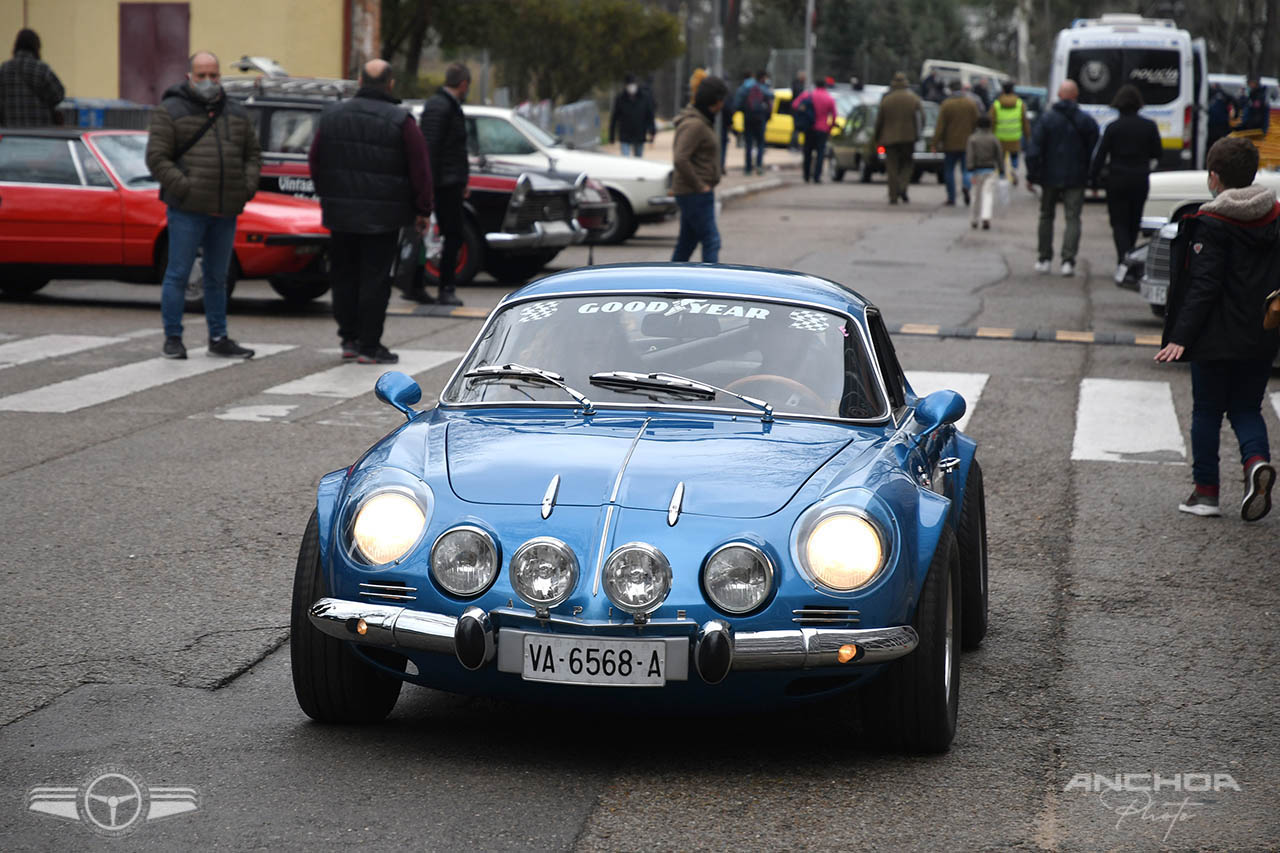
(399,391)
(940,407)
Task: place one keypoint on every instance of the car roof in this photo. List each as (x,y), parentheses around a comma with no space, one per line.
(715,280)
(56,132)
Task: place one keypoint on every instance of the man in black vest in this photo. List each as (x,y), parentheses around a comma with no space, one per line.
(371,170)
(445,129)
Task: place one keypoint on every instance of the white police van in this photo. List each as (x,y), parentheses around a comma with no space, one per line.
(1166,64)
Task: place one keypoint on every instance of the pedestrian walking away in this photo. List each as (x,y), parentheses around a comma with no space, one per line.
(1009,118)
(1257,111)
(371,170)
(957,117)
(1126,151)
(1059,159)
(696,158)
(823,108)
(983,155)
(204,152)
(798,85)
(29,90)
(1220,108)
(1226,261)
(444,127)
(632,122)
(755,100)
(899,123)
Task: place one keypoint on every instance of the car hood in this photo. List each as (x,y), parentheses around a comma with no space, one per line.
(730,467)
(277,210)
(608,167)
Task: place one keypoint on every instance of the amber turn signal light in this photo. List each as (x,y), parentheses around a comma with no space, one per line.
(847,653)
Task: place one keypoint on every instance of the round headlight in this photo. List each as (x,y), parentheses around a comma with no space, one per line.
(738,578)
(544,571)
(843,551)
(387,526)
(637,578)
(464,561)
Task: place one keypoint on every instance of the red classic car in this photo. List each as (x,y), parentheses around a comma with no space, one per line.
(82,204)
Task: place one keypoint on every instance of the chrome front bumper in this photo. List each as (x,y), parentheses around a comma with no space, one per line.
(663,202)
(716,649)
(544,235)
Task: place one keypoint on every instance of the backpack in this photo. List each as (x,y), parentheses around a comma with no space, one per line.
(757,107)
(803,114)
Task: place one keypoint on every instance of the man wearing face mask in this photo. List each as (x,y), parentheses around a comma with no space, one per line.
(632,122)
(203,150)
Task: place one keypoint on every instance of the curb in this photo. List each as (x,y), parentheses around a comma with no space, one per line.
(751,188)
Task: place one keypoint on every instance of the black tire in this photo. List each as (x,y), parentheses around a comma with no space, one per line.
(21,285)
(332,684)
(867,171)
(624,222)
(915,707)
(298,292)
(471,257)
(518,268)
(971,539)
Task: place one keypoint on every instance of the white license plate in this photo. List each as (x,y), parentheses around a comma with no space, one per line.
(594,660)
(1156,294)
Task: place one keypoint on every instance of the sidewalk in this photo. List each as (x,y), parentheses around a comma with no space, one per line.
(734,184)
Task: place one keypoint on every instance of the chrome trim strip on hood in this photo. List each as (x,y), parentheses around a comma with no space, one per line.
(613,497)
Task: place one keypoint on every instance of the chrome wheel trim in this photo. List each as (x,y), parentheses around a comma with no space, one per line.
(948,640)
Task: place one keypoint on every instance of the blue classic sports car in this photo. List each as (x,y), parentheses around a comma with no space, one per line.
(710,483)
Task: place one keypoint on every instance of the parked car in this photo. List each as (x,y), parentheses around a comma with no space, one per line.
(583,516)
(1173,193)
(777,131)
(854,148)
(640,188)
(511,229)
(82,204)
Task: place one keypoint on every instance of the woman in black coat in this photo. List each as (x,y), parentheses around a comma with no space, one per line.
(1128,146)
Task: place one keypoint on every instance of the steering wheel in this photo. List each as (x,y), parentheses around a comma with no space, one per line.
(791,386)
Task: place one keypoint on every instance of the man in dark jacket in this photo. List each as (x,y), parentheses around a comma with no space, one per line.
(1062,144)
(632,122)
(1257,110)
(899,122)
(1226,260)
(957,117)
(1220,107)
(445,129)
(370,167)
(29,90)
(203,150)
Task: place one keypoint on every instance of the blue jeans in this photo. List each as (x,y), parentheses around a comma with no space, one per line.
(697,225)
(187,233)
(632,149)
(1233,388)
(753,134)
(951,159)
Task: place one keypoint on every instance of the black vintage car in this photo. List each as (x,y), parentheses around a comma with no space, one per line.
(517,219)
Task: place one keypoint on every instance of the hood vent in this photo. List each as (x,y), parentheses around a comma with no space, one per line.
(389,591)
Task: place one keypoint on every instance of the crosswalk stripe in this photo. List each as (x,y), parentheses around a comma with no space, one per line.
(969,386)
(95,388)
(49,346)
(1124,420)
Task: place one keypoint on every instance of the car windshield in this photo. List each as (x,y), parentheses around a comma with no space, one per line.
(845,101)
(531,130)
(1102,71)
(800,360)
(127,155)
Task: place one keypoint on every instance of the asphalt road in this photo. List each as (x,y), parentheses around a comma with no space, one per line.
(148,544)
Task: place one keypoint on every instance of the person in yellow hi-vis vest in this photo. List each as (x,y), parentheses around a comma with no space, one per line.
(1009,117)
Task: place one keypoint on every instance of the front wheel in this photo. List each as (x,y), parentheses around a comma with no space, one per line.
(518,268)
(624,222)
(971,539)
(919,696)
(21,285)
(332,684)
(298,292)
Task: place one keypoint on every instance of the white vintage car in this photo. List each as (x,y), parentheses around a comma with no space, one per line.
(640,188)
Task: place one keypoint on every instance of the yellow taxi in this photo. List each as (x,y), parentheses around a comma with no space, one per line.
(777,131)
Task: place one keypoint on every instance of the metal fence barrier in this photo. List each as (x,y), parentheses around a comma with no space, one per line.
(105,113)
(577,124)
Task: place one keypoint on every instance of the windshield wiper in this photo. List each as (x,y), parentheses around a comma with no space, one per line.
(533,374)
(679,384)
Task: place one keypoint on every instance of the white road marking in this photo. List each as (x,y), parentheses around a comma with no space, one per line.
(143,333)
(95,388)
(351,380)
(49,346)
(259,414)
(1123,420)
(968,385)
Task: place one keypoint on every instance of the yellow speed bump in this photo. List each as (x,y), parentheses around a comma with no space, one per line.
(993,332)
(1074,337)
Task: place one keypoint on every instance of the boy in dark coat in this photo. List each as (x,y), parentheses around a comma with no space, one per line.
(1226,260)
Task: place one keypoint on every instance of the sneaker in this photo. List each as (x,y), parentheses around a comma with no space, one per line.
(1068,268)
(1202,505)
(1122,270)
(228,348)
(448,297)
(1259,479)
(986,225)
(381,356)
(1042,267)
(350,349)
(173,348)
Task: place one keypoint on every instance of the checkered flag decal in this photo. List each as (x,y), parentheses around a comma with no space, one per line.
(809,321)
(538,311)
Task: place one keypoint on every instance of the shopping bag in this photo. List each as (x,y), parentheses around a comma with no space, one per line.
(433,242)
